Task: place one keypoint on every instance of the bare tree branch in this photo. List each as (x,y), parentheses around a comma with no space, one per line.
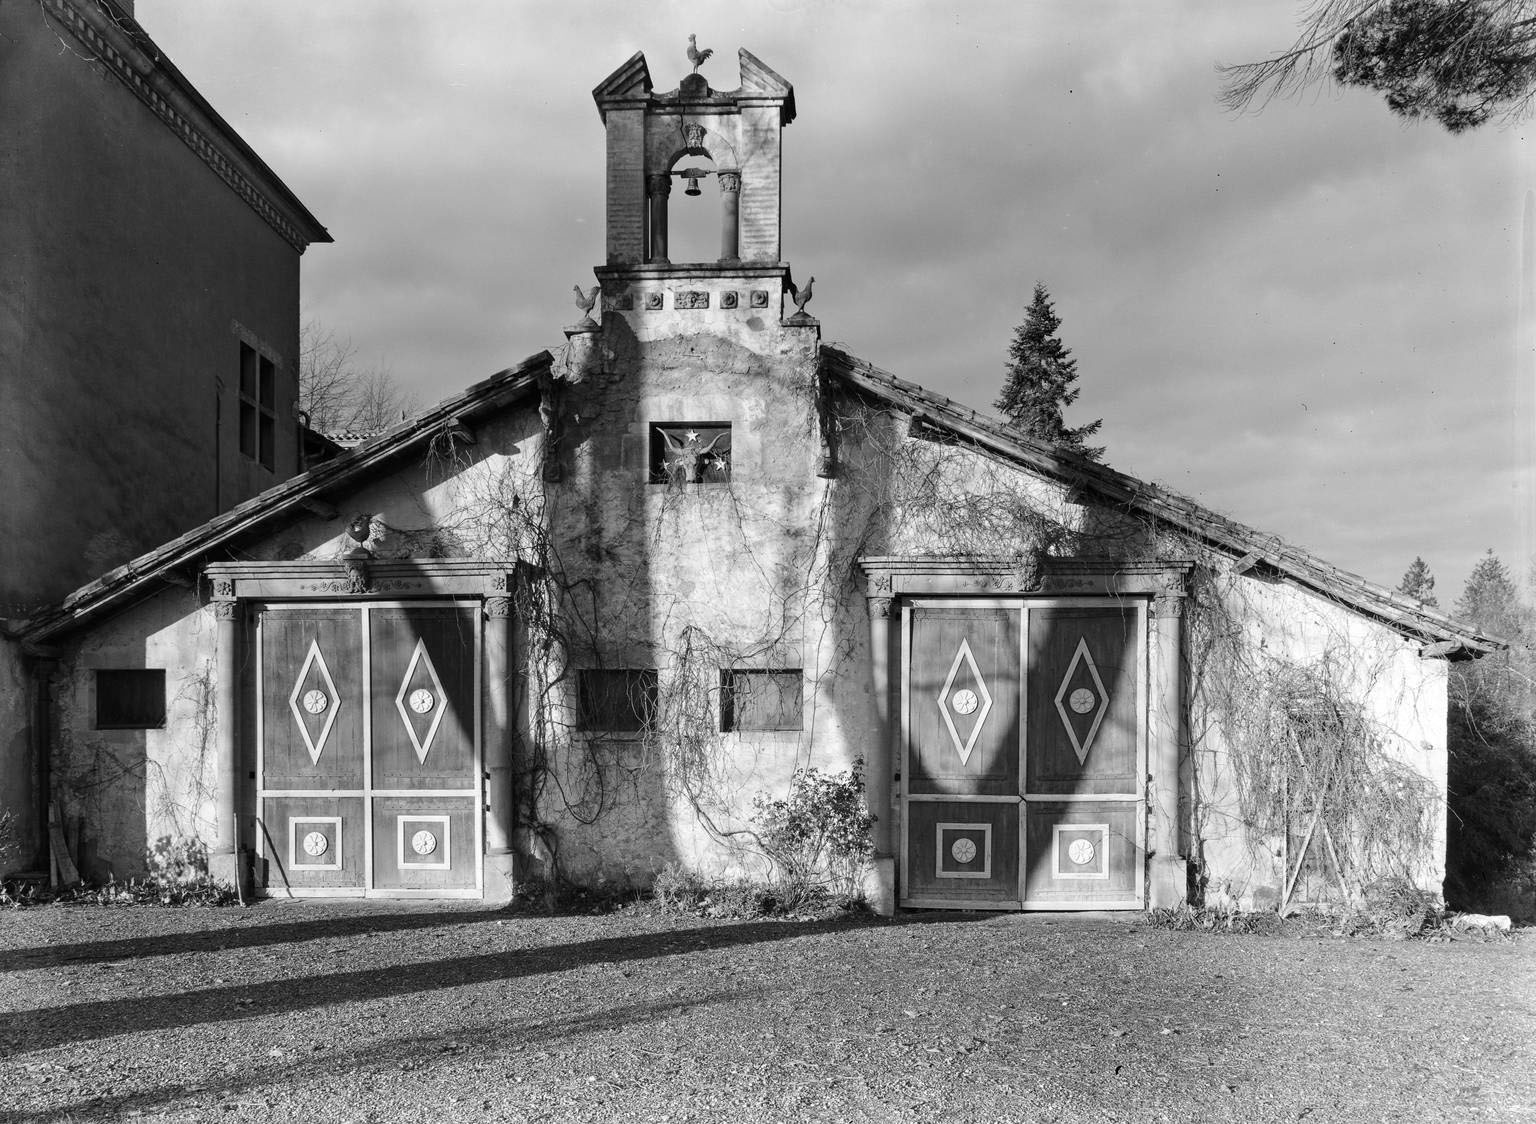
(337,394)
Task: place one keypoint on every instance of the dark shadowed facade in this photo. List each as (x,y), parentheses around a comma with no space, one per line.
(149,314)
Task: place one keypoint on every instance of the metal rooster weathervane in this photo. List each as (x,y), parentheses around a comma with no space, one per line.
(696,56)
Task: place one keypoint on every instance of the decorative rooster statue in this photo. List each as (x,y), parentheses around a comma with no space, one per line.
(585,301)
(802,295)
(696,56)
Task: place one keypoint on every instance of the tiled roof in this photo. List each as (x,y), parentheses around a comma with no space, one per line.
(1441,635)
(142,575)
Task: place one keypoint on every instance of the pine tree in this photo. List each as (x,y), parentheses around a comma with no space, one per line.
(1491,738)
(1490,600)
(1041,381)
(1419,584)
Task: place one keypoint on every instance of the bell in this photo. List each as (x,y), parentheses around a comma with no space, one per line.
(693,186)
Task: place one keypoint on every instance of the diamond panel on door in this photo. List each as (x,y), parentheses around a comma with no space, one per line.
(963,701)
(1083,703)
(311,699)
(423,687)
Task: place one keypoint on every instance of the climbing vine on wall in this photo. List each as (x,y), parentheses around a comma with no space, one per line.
(1289,735)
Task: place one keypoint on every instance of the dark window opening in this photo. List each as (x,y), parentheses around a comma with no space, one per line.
(619,701)
(258,407)
(130,700)
(691,453)
(751,699)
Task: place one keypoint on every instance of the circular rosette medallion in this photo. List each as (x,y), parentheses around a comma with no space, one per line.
(1082,700)
(315,701)
(963,849)
(1081,852)
(316,844)
(965,702)
(423,842)
(422,700)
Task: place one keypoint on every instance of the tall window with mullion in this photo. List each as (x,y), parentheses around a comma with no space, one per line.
(258,407)
(691,453)
(761,699)
(616,700)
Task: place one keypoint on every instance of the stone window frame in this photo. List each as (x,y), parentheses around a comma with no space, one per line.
(792,717)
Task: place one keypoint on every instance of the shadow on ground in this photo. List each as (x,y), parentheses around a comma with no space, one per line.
(45,1028)
(419,1051)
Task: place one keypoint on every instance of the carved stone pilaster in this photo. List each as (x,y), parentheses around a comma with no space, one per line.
(226,610)
(498,608)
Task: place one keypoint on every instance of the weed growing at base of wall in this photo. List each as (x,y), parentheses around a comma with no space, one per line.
(818,835)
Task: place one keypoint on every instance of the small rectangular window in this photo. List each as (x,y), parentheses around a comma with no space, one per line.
(690,453)
(616,700)
(752,699)
(130,699)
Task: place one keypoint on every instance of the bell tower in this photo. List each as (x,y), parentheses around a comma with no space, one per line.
(656,142)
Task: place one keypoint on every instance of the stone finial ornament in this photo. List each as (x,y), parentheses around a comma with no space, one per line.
(696,56)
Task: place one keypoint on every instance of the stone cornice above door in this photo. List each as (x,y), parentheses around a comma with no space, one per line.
(1029,576)
(382,578)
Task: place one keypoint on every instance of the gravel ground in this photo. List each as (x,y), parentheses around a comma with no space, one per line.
(370,1011)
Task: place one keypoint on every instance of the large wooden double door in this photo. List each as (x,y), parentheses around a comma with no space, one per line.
(368,762)
(1025,732)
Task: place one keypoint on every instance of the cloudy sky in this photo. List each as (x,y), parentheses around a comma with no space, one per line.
(1305,318)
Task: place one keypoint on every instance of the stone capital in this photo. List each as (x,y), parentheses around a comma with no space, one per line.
(226,610)
(729,181)
(1168,606)
(658,183)
(881,608)
(498,608)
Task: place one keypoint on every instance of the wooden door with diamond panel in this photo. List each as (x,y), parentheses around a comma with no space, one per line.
(368,749)
(961,821)
(1024,732)
(1084,757)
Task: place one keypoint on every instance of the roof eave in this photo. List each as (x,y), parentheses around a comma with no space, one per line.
(1287,562)
(143,575)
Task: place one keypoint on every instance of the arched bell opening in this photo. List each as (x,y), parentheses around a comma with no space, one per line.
(694,203)
(693,212)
